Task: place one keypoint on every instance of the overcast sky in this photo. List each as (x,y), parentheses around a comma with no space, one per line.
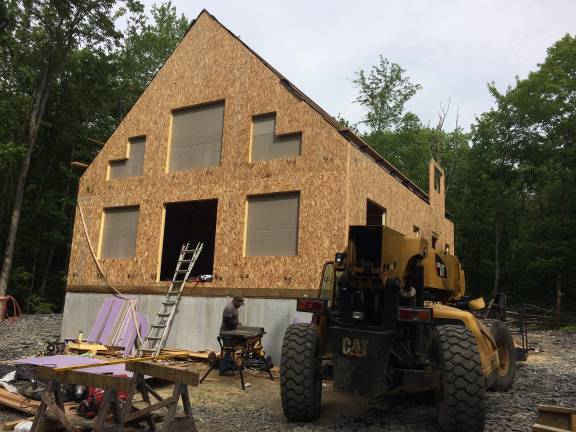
(453,48)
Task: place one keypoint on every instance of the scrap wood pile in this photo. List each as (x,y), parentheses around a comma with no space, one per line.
(103,355)
(536,315)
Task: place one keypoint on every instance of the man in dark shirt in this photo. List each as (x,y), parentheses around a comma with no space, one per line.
(230,314)
(229,322)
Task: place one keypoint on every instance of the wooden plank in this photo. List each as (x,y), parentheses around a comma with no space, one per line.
(55,411)
(85,378)
(557,409)
(544,428)
(145,411)
(273,293)
(107,363)
(168,373)
(18,402)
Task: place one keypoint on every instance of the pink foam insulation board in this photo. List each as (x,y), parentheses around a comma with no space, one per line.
(68,360)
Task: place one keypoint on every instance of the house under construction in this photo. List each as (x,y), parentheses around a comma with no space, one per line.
(222,149)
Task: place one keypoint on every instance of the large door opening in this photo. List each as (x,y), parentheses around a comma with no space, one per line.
(193,222)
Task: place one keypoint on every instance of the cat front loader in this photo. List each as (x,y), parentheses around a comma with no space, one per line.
(391,316)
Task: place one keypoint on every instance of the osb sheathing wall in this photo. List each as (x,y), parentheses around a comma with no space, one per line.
(404,210)
(333,178)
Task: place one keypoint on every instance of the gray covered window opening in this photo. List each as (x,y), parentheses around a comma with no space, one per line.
(266,145)
(133,165)
(272,224)
(120,227)
(196,137)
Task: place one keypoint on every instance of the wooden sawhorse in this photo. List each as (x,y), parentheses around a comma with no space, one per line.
(52,407)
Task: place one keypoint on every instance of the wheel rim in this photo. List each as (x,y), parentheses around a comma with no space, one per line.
(504,354)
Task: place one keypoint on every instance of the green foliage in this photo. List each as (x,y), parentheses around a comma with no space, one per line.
(98,85)
(383,92)
(39,305)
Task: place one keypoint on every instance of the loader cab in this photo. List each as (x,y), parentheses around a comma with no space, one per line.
(443,277)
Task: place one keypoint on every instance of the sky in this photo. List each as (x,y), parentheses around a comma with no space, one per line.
(452,48)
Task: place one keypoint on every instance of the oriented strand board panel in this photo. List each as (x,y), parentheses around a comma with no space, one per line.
(404,210)
(211,67)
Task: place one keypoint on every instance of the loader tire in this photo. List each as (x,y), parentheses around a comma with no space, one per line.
(461,396)
(503,377)
(300,375)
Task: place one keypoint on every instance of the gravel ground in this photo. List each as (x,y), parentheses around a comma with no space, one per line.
(549,377)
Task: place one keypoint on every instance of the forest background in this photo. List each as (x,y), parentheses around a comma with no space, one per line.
(68,76)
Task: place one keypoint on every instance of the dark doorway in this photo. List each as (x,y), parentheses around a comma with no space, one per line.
(375,214)
(193,222)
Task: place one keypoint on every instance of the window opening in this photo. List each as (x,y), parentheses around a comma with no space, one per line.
(375,214)
(196,137)
(266,145)
(272,225)
(119,231)
(434,240)
(133,165)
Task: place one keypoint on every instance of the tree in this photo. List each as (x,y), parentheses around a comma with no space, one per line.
(384,91)
(50,30)
(96,87)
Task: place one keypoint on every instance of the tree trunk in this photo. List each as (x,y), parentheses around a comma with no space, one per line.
(558,297)
(496,287)
(32,279)
(47,270)
(34,126)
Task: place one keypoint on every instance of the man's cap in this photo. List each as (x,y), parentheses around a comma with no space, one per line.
(238,299)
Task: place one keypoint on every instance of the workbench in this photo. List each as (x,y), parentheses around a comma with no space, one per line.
(114,414)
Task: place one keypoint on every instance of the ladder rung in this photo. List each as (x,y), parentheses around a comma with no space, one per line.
(153,337)
(163,314)
(169,303)
(182,271)
(158,325)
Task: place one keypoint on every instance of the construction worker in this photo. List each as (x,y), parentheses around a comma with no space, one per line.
(229,322)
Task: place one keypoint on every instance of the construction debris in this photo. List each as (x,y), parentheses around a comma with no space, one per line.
(555,419)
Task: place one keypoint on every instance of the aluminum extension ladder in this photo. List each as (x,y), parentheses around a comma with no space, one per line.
(159,330)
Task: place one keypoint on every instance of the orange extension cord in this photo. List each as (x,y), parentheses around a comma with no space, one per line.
(4,309)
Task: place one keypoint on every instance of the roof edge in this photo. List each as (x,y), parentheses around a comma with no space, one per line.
(348,134)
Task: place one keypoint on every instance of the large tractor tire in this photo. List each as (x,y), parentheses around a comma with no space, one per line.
(461,396)
(503,377)
(300,374)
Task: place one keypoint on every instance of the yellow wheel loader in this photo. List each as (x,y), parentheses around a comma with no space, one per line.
(391,316)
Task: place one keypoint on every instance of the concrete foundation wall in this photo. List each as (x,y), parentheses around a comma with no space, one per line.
(197,321)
